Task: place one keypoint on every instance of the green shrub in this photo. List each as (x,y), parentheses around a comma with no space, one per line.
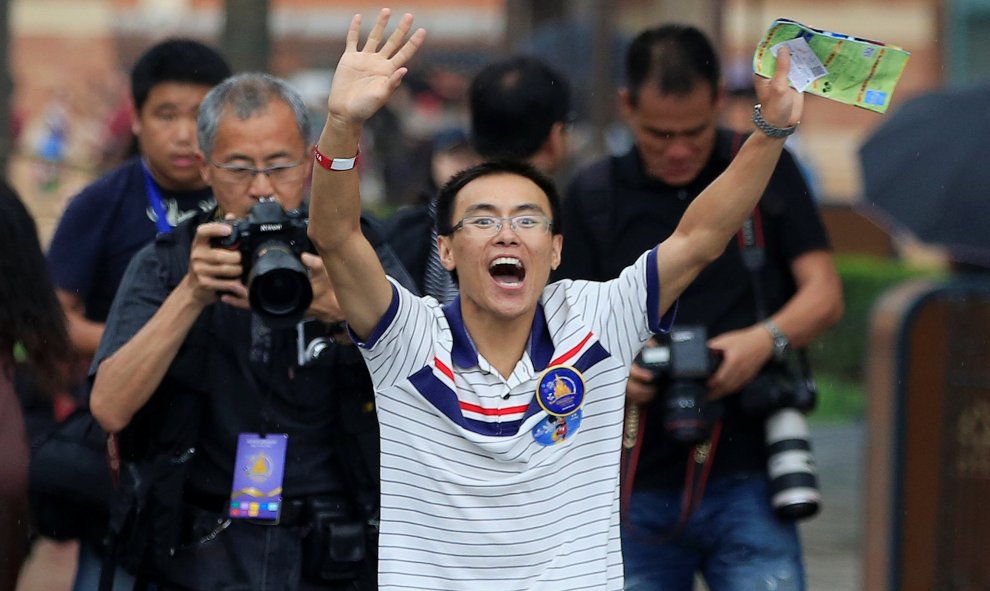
(838,357)
(841,351)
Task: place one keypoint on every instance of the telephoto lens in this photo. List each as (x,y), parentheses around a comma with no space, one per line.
(794,490)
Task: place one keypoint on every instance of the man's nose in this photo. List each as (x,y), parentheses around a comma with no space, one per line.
(185,130)
(679,147)
(506,234)
(261,185)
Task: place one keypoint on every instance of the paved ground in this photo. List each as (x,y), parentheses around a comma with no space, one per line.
(833,539)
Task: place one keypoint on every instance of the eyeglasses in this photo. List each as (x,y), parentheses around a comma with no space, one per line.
(277,174)
(486,225)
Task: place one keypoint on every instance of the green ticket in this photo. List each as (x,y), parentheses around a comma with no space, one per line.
(854,71)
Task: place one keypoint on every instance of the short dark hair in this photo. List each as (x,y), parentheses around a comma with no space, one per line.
(675,58)
(176,60)
(514,104)
(448,193)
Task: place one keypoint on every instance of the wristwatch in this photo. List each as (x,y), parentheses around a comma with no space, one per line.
(769,128)
(780,340)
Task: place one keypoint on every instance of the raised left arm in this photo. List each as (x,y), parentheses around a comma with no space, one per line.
(720,210)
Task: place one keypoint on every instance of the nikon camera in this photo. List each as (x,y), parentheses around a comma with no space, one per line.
(271,242)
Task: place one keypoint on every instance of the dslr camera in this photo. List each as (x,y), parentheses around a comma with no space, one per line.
(777,386)
(681,364)
(271,242)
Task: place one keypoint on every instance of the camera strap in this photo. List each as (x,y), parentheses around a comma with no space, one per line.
(699,466)
(753,252)
(702,455)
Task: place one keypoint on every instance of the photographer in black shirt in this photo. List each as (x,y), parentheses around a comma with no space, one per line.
(727,530)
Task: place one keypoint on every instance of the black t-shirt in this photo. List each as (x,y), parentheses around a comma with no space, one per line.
(104,226)
(408,232)
(609,224)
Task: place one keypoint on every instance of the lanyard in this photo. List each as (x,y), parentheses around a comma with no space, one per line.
(155,200)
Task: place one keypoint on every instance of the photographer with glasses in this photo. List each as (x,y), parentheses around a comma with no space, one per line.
(223,351)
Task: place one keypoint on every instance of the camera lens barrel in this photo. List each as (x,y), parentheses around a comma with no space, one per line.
(791,467)
(278,285)
(688,416)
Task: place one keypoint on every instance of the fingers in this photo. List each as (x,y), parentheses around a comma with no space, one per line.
(779,78)
(213,268)
(377,31)
(399,52)
(640,388)
(353,34)
(400,32)
(411,46)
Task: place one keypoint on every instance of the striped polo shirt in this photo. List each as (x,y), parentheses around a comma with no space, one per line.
(481,487)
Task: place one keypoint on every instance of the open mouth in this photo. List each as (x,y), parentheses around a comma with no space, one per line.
(507,271)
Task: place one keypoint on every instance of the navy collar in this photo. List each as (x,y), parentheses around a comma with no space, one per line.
(464,354)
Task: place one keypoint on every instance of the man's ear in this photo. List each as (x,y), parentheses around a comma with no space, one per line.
(553,152)
(720,94)
(558,246)
(445,253)
(204,168)
(626,107)
(136,124)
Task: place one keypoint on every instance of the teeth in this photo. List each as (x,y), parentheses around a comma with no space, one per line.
(506,261)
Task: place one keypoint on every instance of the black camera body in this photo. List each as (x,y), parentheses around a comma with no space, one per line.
(681,364)
(271,242)
(777,386)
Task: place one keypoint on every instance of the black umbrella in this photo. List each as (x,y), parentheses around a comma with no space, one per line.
(926,171)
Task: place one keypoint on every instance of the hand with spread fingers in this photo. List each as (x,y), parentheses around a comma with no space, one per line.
(366,77)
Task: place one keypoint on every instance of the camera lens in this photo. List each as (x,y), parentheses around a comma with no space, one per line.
(794,490)
(278,286)
(687,416)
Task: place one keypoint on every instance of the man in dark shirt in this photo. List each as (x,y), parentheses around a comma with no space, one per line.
(115,216)
(182,323)
(613,211)
(112,218)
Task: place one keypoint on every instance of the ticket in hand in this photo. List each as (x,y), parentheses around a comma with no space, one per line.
(847,69)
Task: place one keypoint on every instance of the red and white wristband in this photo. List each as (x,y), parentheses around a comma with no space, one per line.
(333,164)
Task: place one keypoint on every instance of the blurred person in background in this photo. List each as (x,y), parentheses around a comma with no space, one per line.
(676,524)
(520,109)
(32,331)
(411,231)
(111,219)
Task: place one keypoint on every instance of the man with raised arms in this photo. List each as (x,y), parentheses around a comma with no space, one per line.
(501,412)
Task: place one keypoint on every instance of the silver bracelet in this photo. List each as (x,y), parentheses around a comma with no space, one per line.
(768,128)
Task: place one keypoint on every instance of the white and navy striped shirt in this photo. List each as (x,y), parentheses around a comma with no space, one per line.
(477,490)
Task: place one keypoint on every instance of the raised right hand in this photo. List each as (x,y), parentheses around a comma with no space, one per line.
(365,79)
